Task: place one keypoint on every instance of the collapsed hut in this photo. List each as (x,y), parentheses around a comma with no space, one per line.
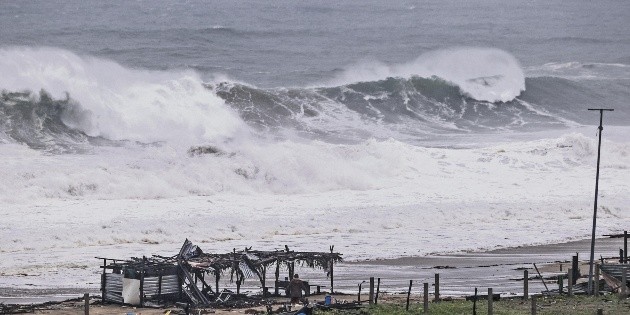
(187,276)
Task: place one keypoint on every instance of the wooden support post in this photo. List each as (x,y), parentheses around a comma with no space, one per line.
(425,299)
(264,277)
(621,256)
(408,294)
(332,279)
(319,289)
(596,281)
(560,284)
(371,290)
(142,282)
(103,280)
(437,287)
(533,305)
(490,300)
(525,284)
(624,283)
(359,294)
(217,276)
(378,290)
(275,290)
(204,284)
(570,282)
(238,285)
(332,283)
(86,298)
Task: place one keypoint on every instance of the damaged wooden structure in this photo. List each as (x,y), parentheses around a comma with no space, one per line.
(616,277)
(187,276)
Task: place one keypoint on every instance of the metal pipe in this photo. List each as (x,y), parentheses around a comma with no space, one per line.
(599,146)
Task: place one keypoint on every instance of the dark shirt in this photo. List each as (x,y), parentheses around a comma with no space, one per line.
(295,288)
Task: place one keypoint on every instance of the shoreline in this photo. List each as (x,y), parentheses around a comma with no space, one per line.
(550,251)
(459,273)
(500,268)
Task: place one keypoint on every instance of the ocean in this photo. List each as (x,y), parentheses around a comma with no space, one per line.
(386,128)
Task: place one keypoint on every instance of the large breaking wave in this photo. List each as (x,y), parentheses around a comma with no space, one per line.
(101,98)
(56,100)
(483,74)
(157,134)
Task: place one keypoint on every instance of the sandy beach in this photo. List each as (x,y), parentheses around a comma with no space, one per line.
(460,274)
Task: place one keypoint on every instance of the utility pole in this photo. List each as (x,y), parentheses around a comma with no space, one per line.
(599,147)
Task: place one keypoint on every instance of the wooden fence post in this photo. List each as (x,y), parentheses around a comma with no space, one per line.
(408,294)
(378,290)
(426,297)
(533,305)
(625,247)
(576,269)
(525,284)
(560,284)
(437,287)
(570,282)
(490,300)
(475,298)
(371,290)
(596,281)
(624,284)
(86,298)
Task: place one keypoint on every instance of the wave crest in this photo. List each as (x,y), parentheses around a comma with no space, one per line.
(121,103)
(484,74)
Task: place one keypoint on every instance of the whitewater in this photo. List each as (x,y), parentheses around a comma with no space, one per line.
(116,152)
(143,188)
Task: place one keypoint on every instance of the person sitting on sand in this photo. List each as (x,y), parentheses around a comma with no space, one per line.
(295,288)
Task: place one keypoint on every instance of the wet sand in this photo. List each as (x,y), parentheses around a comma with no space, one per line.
(501,269)
(460,273)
